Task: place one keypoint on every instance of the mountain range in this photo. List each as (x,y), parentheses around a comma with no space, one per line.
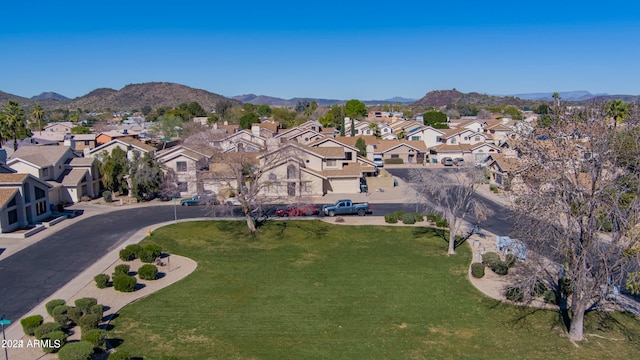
(163,94)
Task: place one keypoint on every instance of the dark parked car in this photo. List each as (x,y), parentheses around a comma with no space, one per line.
(297,210)
(458,161)
(447,161)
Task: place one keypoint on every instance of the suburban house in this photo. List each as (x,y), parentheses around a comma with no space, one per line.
(409,151)
(504,171)
(69,176)
(242,140)
(129,145)
(186,164)
(24,200)
(108,136)
(80,142)
(302,136)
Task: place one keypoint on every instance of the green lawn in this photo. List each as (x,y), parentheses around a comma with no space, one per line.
(312,290)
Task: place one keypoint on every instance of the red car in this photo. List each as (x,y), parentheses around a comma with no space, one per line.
(297,210)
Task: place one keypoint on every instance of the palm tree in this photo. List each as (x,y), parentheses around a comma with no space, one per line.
(13,122)
(556,96)
(37,115)
(618,110)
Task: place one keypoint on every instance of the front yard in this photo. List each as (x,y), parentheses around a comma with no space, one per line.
(308,289)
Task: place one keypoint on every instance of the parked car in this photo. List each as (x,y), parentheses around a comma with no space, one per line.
(458,161)
(232,201)
(447,161)
(196,200)
(297,210)
(347,207)
(377,159)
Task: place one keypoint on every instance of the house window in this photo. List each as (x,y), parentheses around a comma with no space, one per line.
(477,138)
(453,141)
(183,186)
(181,166)
(39,193)
(355,131)
(41,208)
(415,138)
(348,155)
(87,143)
(466,138)
(395,156)
(331,163)
(12,216)
(45,172)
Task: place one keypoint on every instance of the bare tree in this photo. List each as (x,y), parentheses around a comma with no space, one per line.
(451,194)
(576,208)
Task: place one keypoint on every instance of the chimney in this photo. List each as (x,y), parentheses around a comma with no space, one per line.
(69,141)
(255,130)
(215,126)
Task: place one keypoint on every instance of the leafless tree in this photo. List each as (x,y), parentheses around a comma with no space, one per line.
(576,208)
(452,194)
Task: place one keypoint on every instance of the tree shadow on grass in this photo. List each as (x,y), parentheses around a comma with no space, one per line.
(440,233)
(113,343)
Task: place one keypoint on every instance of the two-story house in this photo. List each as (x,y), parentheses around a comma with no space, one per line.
(24,201)
(187,164)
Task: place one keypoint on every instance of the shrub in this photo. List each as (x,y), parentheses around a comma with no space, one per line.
(98,310)
(437,220)
(74,315)
(122,269)
(95,337)
(88,322)
(510,260)
(107,196)
(418,217)
(493,188)
(60,315)
(147,256)
(102,281)
(500,267)
(85,304)
(408,219)
(514,294)
(477,270)
(539,289)
(391,218)
(154,249)
(551,297)
(120,355)
(148,272)
(80,350)
(489,258)
(31,323)
(136,249)
(53,304)
(46,328)
(124,283)
(56,339)
(126,255)
(393,161)
(339,219)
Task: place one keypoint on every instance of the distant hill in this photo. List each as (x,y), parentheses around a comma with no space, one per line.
(576,95)
(4,97)
(454,97)
(274,101)
(50,96)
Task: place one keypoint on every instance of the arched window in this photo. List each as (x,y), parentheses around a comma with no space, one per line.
(292,172)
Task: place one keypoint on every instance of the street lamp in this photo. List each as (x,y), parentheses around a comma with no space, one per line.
(175,209)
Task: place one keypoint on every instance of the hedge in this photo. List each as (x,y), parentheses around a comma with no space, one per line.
(477,270)
(46,328)
(74,315)
(57,339)
(500,267)
(31,323)
(148,272)
(53,304)
(98,310)
(136,249)
(489,258)
(418,217)
(60,315)
(394,161)
(408,219)
(514,294)
(102,281)
(122,269)
(85,304)
(391,218)
(95,337)
(126,255)
(154,249)
(89,321)
(81,350)
(124,283)
(147,256)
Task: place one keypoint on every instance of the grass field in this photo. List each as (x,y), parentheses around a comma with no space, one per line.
(312,290)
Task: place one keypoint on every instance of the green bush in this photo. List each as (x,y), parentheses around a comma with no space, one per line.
(88,322)
(124,283)
(154,249)
(418,217)
(393,161)
(148,272)
(57,339)
(391,218)
(510,260)
(46,328)
(551,297)
(539,289)
(59,314)
(53,304)
(107,195)
(408,219)
(136,249)
(477,270)
(489,258)
(102,280)
(95,337)
(500,267)
(147,256)
(120,355)
(514,294)
(31,323)
(122,269)
(438,220)
(81,350)
(74,315)
(85,304)
(98,310)
(126,255)
(493,188)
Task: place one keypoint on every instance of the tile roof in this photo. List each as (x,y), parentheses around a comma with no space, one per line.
(334,152)
(351,140)
(137,143)
(82,161)
(41,156)
(13,178)
(72,177)
(6,195)
(453,148)
(507,164)
(386,145)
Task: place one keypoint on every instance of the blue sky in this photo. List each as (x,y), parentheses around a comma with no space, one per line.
(331,49)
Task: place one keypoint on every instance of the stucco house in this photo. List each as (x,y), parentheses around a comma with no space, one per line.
(129,145)
(24,200)
(186,163)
